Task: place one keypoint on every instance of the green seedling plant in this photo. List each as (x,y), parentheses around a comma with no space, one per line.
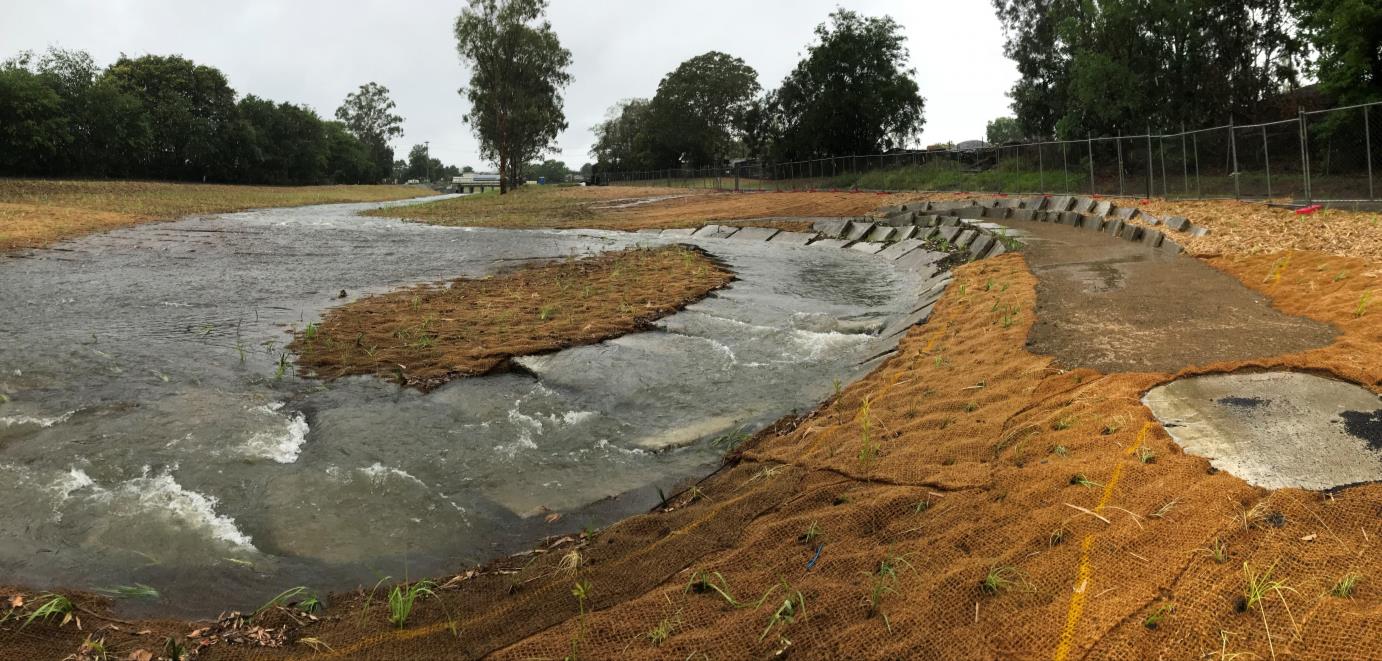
(813,532)
(1158,616)
(402,598)
(1060,451)
(793,607)
(1146,455)
(1080,479)
(1218,551)
(704,581)
(1258,586)
(281,599)
(92,649)
(282,368)
(581,591)
(1001,578)
(1363,302)
(1345,586)
(1165,509)
(660,633)
(54,606)
(922,505)
(547,312)
(1064,423)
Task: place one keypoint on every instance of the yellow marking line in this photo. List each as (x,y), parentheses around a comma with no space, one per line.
(1084,573)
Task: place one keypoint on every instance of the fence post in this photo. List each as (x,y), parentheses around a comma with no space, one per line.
(1267,160)
(1151,172)
(1041,170)
(1065,166)
(1304,152)
(1367,145)
(1184,162)
(1118,144)
(1195,142)
(1091,164)
(1233,151)
(1161,147)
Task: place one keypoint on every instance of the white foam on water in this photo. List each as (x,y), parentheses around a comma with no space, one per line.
(816,344)
(281,445)
(162,495)
(572,417)
(379,473)
(45,422)
(75,479)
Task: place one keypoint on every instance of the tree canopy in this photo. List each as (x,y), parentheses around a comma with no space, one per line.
(163,117)
(1003,130)
(696,116)
(1347,36)
(517,73)
(851,94)
(369,115)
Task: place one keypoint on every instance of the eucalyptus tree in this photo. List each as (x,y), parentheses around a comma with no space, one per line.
(369,115)
(518,69)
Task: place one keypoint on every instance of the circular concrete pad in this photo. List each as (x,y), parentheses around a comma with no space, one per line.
(1276,429)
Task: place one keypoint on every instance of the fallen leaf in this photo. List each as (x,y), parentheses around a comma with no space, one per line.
(1308,538)
(553,517)
(17,601)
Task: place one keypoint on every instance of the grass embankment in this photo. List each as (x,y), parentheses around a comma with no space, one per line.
(35,212)
(634,208)
(426,335)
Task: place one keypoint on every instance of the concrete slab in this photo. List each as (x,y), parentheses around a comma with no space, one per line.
(833,229)
(1071,218)
(996,213)
(679,231)
(948,234)
(715,232)
(919,259)
(650,231)
(1171,246)
(998,249)
(755,233)
(793,238)
(970,212)
(904,324)
(1082,204)
(868,248)
(829,243)
(1131,233)
(1152,238)
(1276,429)
(1199,230)
(950,221)
(1114,227)
(881,233)
(900,248)
(1060,203)
(926,220)
(1124,213)
(1102,208)
(1094,223)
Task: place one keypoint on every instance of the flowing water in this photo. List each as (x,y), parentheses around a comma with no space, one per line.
(152,435)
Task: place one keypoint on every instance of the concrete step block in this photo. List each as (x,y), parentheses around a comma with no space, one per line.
(755,233)
(970,212)
(858,230)
(829,243)
(1152,238)
(965,238)
(948,234)
(981,246)
(715,232)
(867,247)
(919,259)
(1102,208)
(904,233)
(793,238)
(950,221)
(881,233)
(679,231)
(997,213)
(831,228)
(1177,223)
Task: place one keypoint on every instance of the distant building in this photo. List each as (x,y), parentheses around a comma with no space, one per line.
(475,182)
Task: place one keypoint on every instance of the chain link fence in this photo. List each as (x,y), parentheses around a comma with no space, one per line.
(1330,155)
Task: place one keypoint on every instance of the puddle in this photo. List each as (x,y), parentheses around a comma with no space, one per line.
(149,437)
(1276,429)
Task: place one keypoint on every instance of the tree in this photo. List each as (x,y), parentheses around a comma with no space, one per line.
(348,159)
(697,115)
(851,94)
(286,144)
(1003,130)
(617,138)
(554,171)
(517,71)
(419,164)
(369,114)
(32,131)
(189,107)
(1347,35)
(1131,65)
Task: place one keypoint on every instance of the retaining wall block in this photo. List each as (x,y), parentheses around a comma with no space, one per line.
(904,233)
(919,259)
(970,212)
(1082,204)
(755,233)
(793,238)
(1024,214)
(1198,230)
(949,234)
(829,243)
(1152,238)
(715,232)
(950,221)
(833,229)
(1125,213)
(1060,203)
(997,212)
(858,230)
(928,220)
(1102,208)
(1177,223)
(881,233)
(1071,218)
(1169,245)
(982,244)
(1132,233)
(965,238)
(1115,226)
(900,219)
(1094,223)
(890,209)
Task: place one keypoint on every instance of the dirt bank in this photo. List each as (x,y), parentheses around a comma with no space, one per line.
(634,208)
(970,499)
(427,335)
(35,213)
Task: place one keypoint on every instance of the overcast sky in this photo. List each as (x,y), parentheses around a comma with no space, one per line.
(314,52)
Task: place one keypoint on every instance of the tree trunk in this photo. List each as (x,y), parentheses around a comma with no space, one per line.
(503,155)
